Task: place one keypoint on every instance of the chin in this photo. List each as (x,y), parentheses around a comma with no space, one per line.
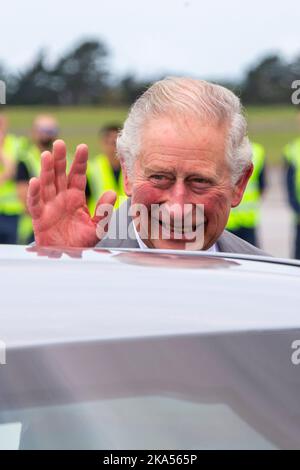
(174,245)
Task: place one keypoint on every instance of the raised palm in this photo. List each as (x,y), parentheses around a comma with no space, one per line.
(57,203)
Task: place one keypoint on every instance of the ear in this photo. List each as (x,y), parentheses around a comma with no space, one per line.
(126,179)
(240,186)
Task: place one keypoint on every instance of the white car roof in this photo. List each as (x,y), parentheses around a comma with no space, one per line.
(104,295)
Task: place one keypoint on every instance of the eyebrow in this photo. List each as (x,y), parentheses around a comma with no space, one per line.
(170,169)
(159,170)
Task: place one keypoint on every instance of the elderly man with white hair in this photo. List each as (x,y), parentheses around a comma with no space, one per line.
(185,156)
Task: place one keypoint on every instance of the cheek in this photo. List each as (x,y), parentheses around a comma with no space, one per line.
(216,203)
(146,194)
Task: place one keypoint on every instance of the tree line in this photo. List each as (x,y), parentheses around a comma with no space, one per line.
(82,76)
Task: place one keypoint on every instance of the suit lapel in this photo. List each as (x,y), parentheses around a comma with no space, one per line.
(119,235)
(223,243)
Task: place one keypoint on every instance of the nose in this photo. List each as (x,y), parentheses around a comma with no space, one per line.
(178,194)
(178,203)
(180,208)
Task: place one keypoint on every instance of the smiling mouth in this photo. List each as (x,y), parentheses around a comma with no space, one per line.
(181,230)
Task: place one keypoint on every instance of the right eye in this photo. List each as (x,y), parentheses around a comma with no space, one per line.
(158,177)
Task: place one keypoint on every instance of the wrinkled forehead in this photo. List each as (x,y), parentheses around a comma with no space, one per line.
(183,140)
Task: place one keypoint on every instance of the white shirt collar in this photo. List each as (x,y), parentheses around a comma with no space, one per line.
(143,246)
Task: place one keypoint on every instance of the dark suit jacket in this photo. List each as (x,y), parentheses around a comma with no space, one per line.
(227,243)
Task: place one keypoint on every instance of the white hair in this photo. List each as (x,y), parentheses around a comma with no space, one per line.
(206,101)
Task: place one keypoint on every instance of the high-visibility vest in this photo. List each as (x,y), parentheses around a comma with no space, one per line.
(292,154)
(101,178)
(247,213)
(10,203)
(30,155)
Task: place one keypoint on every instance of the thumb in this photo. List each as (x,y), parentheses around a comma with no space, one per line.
(103,212)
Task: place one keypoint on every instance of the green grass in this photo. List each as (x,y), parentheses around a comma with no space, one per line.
(272,126)
(77,125)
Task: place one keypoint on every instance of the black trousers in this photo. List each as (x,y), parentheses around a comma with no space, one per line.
(8,229)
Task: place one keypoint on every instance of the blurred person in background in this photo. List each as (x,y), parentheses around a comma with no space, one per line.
(104,170)
(291,155)
(244,219)
(43,134)
(10,206)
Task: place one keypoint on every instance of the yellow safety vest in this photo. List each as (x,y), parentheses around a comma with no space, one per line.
(101,178)
(292,154)
(10,204)
(30,155)
(247,213)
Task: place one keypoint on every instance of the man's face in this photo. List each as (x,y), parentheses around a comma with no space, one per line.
(108,143)
(183,163)
(45,132)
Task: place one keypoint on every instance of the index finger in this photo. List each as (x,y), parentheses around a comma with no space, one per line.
(34,199)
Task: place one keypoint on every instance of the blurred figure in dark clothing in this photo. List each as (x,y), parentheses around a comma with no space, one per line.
(244,219)
(10,206)
(104,170)
(292,162)
(44,132)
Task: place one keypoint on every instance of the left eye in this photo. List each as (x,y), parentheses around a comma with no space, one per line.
(158,177)
(200,181)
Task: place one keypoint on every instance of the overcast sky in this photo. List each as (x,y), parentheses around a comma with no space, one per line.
(208,39)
